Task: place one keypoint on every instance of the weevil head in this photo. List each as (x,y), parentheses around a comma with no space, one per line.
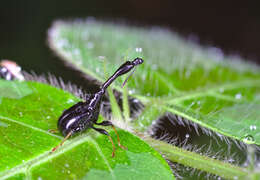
(137,61)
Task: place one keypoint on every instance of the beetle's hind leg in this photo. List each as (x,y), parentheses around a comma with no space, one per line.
(102,131)
(109,123)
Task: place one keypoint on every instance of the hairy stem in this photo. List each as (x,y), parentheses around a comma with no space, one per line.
(198,161)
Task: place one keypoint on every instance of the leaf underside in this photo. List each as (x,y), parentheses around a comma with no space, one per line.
(29,109)
(218,92)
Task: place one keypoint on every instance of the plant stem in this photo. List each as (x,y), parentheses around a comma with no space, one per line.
(126,109)
(116,111)
(198,161)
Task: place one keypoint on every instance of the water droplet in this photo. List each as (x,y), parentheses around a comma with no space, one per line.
(131,91)
(221,90)
(238,96)
(138,49)
(187,136)
(97,70)
(76,51)
(20,114)
(48,117)
(70,101)
(3,124)
(90,45)
(198,102)
(154,67)
(67,165)
(135,101)
(101,58)
(231,160)
(248,139)
(39,178)
(252,127)
(63,43)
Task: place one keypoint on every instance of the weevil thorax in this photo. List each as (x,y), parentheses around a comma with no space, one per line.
(80,116)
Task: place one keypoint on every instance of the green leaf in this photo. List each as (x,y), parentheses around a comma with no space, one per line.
(220,93)
(29,109)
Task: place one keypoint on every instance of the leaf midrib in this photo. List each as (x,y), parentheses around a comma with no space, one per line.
(31,127)
(25,167)
(201,92)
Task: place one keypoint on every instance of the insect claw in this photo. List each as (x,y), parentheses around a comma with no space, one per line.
(122,147)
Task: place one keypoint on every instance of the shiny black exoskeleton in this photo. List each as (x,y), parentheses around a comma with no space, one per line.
(84,115)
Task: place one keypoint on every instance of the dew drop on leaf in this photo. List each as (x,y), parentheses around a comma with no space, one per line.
(97,70)
(248,138)
(90,45)
(76,51)
(231,160)
(138,49)
(221,90)
(3,124)
(70,101)
(154,67)
(131,91)
(252,127)
(101,58)
(238,96)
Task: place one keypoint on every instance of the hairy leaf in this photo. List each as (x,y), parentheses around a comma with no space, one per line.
(29,109)
(218,92)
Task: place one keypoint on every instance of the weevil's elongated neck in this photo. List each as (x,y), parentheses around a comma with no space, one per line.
(123,69)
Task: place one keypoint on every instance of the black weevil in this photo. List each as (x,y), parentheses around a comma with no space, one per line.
(84,115)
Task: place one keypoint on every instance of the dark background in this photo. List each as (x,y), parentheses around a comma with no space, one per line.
(231,26)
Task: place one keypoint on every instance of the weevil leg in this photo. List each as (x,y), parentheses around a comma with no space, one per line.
(109,123)
(102,131)
(105,123)
(118,139)
(68,135)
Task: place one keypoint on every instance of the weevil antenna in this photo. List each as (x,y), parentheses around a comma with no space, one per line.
(128,77)
(68,135)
